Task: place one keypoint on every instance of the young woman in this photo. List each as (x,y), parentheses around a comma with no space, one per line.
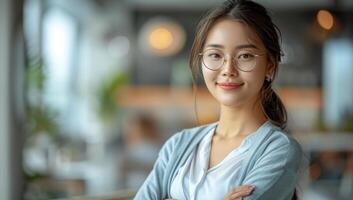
(246,154)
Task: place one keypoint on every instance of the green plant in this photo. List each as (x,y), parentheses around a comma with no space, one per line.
(40,117)
(107,93)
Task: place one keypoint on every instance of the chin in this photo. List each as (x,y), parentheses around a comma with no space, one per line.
(231,102)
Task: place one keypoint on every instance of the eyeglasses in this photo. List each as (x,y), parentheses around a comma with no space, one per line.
(214,59)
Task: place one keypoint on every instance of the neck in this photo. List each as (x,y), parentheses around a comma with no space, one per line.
(240,121)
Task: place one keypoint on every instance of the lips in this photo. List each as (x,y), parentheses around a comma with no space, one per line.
(229,86)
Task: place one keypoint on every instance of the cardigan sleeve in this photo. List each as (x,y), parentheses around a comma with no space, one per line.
(152,188)
(275,173)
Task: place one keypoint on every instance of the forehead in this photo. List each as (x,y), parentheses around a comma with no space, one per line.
(231,33)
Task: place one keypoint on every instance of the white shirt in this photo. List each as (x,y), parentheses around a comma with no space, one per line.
(193,181)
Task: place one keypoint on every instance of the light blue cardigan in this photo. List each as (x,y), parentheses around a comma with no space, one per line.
(272,166)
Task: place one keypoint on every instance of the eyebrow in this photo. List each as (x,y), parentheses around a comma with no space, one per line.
(242,46)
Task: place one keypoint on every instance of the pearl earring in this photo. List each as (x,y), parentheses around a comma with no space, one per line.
(268,78)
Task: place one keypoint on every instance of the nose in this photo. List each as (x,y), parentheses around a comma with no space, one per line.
(230,68)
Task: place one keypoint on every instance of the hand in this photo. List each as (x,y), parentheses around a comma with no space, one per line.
(239,192)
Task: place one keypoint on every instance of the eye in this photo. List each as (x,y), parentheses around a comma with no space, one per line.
(214,55)
(246,56)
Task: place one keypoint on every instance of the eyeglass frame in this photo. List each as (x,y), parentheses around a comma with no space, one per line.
(224,61)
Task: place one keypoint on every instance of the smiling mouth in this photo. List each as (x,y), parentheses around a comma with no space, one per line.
(230,86)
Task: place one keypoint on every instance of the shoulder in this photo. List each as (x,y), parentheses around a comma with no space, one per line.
(282,138)
(280,144)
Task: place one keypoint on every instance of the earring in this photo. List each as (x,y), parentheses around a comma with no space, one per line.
(268,78)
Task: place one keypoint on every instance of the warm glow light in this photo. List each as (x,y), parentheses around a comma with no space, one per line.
(325,19)
(161,38)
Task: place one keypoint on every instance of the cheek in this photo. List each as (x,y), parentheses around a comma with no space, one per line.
(256,80)
(208,76)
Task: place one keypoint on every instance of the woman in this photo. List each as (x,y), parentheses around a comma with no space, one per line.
(246,154)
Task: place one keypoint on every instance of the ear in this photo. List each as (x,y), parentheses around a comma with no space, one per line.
(270,68)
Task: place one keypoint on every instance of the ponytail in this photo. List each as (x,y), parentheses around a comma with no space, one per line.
(273,107)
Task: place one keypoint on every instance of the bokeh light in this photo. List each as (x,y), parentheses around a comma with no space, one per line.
(160,38)
(325,19)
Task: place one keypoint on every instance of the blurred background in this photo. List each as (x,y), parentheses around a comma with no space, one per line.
(90,90)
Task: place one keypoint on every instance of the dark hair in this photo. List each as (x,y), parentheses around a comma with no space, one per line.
(257,18)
